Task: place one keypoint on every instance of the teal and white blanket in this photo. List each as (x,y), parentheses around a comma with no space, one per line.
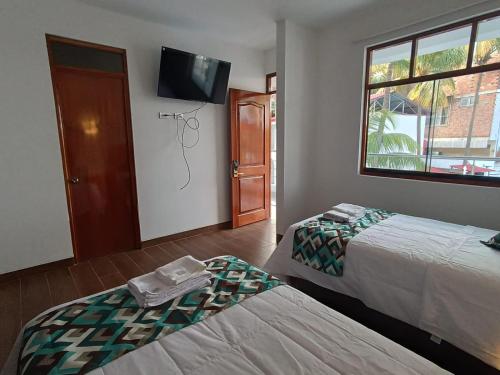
(88,334)
(321,243)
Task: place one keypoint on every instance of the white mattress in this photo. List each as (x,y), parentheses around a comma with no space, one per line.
(433,275)
(281,331)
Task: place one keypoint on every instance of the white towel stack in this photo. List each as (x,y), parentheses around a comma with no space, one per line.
(180,270)
(350,209)
(169,281)
(345,213)
(337,216)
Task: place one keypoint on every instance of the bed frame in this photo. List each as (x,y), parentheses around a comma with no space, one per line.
(443,354)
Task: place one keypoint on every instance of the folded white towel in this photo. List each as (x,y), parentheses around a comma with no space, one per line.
(159,300)
(341,217)
(149,291)
(350,209)
(180,270)
(337,216)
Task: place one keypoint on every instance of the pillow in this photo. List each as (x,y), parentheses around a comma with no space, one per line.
(494,242)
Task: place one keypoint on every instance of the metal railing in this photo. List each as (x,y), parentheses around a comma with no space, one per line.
(429,158)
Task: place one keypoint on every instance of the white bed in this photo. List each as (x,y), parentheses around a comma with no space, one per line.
(280,331)
(433,275)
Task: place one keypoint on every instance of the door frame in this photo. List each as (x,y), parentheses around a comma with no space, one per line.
(234,153)
(128,129)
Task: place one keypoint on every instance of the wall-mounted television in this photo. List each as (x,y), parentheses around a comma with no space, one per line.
(187,76)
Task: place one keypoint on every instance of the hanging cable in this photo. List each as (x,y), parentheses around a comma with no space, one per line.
(192,123)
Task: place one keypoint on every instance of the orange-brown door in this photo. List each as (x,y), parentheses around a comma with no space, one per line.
(94,124)
(250,156)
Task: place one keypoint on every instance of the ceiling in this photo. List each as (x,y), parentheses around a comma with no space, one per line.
(246,22)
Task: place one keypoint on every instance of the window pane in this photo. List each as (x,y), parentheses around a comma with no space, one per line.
(487,46)
(443,52)
(271,84)
(391,63)
(468,143)
(87,58)
(396,124)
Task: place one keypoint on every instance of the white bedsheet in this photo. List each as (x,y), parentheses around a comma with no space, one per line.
(433,275)
(281,331)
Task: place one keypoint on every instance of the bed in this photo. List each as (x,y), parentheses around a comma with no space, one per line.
(276,331)
(433,275)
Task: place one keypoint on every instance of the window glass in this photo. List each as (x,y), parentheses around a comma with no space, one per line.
(469,144)
(85,57)
(391,63)
(487,47)
(271,82)
(447,126)
(443,52)
(396,125)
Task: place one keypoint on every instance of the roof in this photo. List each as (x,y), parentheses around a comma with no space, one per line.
(398,103)
(439,170)
(469,168)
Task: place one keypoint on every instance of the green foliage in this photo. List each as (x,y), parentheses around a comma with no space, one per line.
(425,93)
(485,51)
(385,141)
(391,71)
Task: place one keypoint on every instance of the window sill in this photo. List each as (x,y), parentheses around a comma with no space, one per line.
(433,177)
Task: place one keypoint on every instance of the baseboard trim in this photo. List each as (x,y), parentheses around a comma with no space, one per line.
(70,261)
(186,234)
(36,269)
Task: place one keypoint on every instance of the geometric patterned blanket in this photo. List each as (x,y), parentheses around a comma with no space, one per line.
(86,335)
(321,243)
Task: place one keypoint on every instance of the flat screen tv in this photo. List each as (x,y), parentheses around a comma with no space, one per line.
(187,76)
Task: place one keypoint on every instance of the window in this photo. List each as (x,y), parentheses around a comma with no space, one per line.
(467,101)
(443,52)
(391,63)
(271,83)
(433,105)
(443,114)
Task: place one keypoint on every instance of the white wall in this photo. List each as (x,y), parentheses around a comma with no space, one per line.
(270,60)
(339,116)
(296,120)
(34,225)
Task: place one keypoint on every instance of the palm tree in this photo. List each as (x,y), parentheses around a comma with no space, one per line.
(380,122)
(424,94)
(381,143)
(483,53)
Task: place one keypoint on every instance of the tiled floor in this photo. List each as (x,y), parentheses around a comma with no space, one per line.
(22,299)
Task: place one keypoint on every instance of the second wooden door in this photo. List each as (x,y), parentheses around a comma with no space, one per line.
(250,156)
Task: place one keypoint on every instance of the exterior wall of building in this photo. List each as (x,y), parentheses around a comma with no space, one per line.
(460,116)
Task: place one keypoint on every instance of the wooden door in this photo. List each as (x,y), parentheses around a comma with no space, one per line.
(250,156)
(96,141)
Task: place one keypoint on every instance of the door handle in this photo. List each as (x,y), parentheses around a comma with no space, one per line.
(74,180)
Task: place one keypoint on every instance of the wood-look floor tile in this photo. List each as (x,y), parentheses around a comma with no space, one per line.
(86,279)
(143,260)
(103,266)
(160,255)
(35,296)
(22,299)
(61,285)
(10,317)
(173,251)
(113,280)
(194,247)
(126,266)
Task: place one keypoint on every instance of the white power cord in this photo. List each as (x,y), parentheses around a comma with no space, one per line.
(183,123)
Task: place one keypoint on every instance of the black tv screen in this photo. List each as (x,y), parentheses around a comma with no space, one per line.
(184,75)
